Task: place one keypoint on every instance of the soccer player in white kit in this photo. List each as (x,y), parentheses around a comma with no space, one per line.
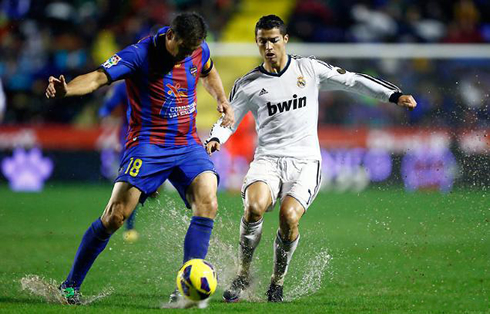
(282,95)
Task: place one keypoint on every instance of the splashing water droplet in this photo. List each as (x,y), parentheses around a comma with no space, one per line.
(48,290)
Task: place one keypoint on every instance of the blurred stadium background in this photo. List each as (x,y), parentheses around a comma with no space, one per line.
(438,51)
(433,49)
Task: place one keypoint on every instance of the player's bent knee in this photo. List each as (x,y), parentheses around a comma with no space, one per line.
(113,222)
(206,206)
(254,210)
(114,217)
(290,216)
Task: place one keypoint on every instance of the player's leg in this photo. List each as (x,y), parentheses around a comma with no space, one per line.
(121,204)
(256,202)
(196,180)
(202,199)
(200,196)
(130,235)
(285,244)
(298,194)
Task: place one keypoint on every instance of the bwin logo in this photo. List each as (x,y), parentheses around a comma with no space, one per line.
(286,105)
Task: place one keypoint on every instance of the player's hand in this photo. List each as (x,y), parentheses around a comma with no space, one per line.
(228,115)
(212,146)
(57,87)
(407,101)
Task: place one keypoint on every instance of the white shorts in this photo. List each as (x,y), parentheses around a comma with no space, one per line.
(286,176)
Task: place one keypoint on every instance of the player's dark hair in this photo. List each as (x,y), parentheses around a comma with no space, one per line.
(269,22)
(189,27)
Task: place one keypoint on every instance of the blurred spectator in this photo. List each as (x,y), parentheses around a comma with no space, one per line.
(372,25)
(48,37)
(316,21)
(391,21)
(465,26)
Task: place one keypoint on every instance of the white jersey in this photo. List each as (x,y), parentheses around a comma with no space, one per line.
(285,104)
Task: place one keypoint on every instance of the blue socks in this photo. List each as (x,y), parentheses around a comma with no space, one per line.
(93,243)
(95,240)
(196,240)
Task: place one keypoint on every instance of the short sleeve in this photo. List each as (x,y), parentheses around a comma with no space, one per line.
(207,62)
(123,63)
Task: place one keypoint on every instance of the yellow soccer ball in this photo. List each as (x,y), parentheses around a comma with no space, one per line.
(197,280)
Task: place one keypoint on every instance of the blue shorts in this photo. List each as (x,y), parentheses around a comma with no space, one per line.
(147,166)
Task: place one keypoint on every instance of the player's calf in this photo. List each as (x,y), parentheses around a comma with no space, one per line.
(283,253)
(250,235)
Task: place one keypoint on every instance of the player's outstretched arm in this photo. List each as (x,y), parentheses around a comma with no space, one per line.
(335,78)
(80,85)
(213,85)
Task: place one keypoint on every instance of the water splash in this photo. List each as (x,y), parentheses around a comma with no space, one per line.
(38,286)
(165,226)
(168,218)
(48,290)
(313,278)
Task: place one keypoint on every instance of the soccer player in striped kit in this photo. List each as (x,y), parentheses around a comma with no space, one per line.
(282,95)
(161,73)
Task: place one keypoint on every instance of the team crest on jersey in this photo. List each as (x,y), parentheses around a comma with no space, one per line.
(341,71)
(193,70)
(301,82)
(112,61)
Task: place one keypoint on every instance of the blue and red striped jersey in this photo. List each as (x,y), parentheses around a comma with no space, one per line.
(161,92)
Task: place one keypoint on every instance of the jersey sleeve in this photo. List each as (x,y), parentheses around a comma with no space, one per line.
(123,63)
(207,62)
(335,78)
(239,104)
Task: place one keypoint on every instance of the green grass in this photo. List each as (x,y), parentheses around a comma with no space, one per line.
(391,252)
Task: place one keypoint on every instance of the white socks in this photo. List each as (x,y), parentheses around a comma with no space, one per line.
(250,234)
(283,252)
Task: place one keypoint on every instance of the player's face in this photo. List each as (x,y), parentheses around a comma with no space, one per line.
(272,45)
(178,47)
